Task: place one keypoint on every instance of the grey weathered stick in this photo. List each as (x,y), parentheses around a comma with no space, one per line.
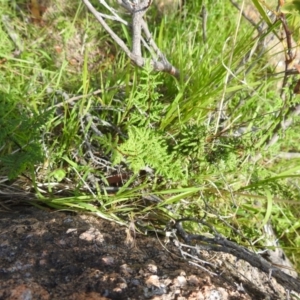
(106,27)
(221,244)
(150,40)
(138,12)
(138,25)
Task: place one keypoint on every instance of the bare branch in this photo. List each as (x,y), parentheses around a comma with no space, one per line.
(138,12)
(289,155)
(289,58)
(137,9)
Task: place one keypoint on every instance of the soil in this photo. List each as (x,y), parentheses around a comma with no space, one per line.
(48,254)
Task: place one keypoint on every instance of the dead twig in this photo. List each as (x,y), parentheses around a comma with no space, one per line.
(291,61)
(219,243)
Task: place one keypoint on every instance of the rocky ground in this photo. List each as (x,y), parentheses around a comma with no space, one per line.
(48,254)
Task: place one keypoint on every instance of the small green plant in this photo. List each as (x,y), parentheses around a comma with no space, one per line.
(144,148)
(20,137)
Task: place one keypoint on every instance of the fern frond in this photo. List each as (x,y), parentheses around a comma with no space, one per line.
(146,148)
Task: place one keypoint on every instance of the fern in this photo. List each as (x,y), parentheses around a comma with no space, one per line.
(146,148)
(19,138)
(15,163)
(146,107)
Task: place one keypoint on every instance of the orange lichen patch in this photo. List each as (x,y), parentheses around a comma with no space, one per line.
(58,49)
(87,296)
(27,291)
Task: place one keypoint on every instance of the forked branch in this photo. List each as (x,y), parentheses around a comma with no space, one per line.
(137,10)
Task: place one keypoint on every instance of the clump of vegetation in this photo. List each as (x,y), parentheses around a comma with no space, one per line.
(94,133)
